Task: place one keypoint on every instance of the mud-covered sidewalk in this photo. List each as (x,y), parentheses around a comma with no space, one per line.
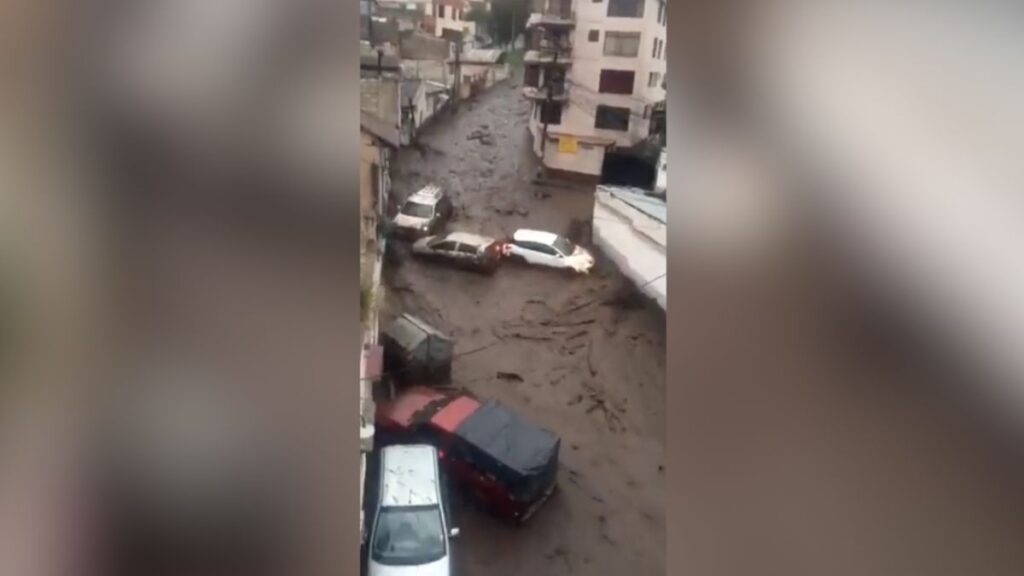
(572,355)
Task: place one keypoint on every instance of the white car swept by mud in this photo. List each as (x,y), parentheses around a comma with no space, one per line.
(548,249)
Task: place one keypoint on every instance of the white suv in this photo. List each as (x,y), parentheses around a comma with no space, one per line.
(423,213)
(547,249)
(411,532)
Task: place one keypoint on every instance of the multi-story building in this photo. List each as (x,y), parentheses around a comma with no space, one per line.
(595,72)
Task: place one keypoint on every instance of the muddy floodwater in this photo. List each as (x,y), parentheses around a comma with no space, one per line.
(567,352)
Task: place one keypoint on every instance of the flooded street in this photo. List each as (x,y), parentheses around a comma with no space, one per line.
(573,355)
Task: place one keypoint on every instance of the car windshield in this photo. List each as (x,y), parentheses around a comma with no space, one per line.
(563,245)
(408,536)
(417,210)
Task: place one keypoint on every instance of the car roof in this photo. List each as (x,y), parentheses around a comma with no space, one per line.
(517,444)
(467,238)
(525,235)
(454,413)
(402,409)
(427,195)
(409,475)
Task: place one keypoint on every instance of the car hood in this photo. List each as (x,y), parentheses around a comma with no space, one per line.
(423,242)
(581,259)
(439,568)
(406,221)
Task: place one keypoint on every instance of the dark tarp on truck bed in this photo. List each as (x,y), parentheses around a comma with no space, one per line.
(523,449)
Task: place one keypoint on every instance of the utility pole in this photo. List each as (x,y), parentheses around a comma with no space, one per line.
(369,20)
(458,74)
(544,112)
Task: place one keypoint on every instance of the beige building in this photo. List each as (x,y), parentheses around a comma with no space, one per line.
(595,71)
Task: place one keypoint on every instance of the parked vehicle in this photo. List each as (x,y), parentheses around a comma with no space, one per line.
(416,351)
(463,249)
(422,214)
(548,249)
(411,531)
(506,464)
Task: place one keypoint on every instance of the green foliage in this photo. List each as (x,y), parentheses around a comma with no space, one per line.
(505,21)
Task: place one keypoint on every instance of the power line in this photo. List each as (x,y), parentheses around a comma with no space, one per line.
(501,340)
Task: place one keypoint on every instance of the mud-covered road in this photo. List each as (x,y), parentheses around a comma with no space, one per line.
(592,371)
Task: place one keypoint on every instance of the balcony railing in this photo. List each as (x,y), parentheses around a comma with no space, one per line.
(558,8)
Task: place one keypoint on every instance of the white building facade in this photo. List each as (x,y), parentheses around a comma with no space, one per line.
(604,64)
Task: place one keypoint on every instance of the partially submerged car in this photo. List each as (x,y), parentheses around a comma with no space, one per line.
(548,249)
(412,524)
(506,464)
(423,213)
(471,251)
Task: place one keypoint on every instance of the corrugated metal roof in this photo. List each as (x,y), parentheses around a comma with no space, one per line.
(640,199)
(410,475)
(409,331)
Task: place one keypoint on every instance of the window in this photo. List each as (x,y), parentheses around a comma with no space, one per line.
(443,246)
(537,247)
(650,80)
(594,35)
(531,76)
(661,13)
(468,249)
(612,118)
(626,8)
(661,48)
(417,210)
(617,81)
(408,535)
(654,49)
(551,113)
(621,44)
(440,11)
(563,245)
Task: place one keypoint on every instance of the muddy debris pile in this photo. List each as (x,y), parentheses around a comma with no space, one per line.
(482,135)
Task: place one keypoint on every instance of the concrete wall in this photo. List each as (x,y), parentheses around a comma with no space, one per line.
(634,241)
(449,22)
(379,96)
(484,75)
(588,159)
(418,45)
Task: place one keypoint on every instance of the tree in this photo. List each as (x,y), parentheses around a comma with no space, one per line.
(504,22)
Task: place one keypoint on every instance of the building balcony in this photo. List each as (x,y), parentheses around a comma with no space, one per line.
(558,58)
(551,20)
(559,93)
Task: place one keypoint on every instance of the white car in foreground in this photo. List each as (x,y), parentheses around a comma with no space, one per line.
(548,249)
(411,531)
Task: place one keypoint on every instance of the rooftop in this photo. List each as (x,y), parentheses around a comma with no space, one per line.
(639,199)
(409,475)
(482,56)
(538,19)
(428,194)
